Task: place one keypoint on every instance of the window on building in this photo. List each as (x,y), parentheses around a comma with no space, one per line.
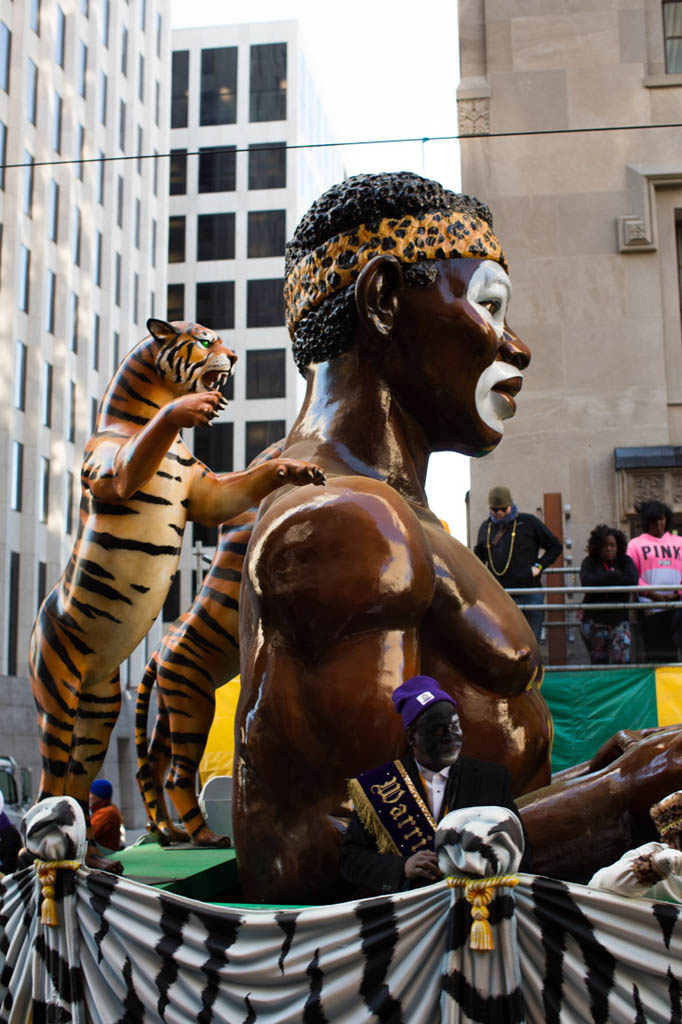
(77,237)
(136,298)
(266,233)
(153,246)
(176,239)
(105,21)
(71,412)
(115,351)
(93,415)
(95,342)
(178,172)
(214,447)
(138,221)
(57,124)
(157,103)
(103,88)
(5,51)
(217,168)
(152,305)
(53,211)
(175,302)
(171,606)
(42,582)
(672,30)
(218,104)
(74,322)
(215,236)
(13,609)
(34,16)
(44,490)
(3,153)
(50,300)
(60,37)
(215,304)
(267,165)
(158,33)
(17,489)
(260,435)
(139,149)
(24,278)
(155,173)
(101,166)
(119,202)
(265,373)
(80,150)
(265,302)
(268,82)
(85,8)
(20,376)
(124,50)
(29,163)
(117,280)
(122,125)
(143,14)
(68,497)
(179,88)
(140,79)
(98,259)
(31,92)
(82,68)
(47,394)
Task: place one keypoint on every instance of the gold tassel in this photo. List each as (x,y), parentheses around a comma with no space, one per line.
(47,873)
(478,894)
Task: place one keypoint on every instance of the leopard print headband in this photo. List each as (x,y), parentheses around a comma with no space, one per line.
(411,239)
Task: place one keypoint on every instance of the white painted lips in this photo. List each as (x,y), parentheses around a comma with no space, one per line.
(496,391)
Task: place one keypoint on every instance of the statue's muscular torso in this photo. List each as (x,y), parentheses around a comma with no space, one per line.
(348,592)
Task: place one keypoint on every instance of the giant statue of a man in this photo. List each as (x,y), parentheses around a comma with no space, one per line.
(396,300)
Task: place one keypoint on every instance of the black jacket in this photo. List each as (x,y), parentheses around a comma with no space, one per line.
(531,536)
(471,784)
(593,573)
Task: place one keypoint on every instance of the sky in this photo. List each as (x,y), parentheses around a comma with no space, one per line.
(383,70)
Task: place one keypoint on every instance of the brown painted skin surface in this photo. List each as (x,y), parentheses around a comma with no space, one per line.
(350,590)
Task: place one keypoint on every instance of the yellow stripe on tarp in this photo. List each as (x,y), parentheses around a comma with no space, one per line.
(669,695)
(219,753)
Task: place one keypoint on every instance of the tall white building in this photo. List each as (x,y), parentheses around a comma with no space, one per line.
(242,101)
(84,101)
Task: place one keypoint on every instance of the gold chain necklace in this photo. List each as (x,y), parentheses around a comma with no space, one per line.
(511,549)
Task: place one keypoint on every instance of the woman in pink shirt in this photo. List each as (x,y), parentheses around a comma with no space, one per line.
(657,553)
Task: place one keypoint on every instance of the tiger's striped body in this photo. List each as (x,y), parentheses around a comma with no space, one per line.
(197,655)
(139,486)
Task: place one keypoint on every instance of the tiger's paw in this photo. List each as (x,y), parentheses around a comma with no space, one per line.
(206,838)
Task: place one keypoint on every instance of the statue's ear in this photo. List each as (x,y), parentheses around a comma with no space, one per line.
(161,330)
(376,295)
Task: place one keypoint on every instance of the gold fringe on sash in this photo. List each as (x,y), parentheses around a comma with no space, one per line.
(47,873)
(369,818)
(478,893)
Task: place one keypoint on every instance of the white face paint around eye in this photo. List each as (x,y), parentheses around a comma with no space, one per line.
(489,290)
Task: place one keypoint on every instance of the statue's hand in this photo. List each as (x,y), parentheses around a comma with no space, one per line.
(668,862)
(296,472)
(196,410)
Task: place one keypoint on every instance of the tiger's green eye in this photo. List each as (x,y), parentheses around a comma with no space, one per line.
(206,342)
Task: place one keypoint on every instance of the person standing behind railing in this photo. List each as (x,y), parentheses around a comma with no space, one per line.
(657,553)
(607,633)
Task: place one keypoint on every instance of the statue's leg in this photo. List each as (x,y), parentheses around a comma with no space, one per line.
(191,716)
(56,684)
(98,711)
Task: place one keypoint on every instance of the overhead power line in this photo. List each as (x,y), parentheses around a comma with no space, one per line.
(262,147)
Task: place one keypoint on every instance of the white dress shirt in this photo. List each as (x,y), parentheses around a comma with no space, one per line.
(435,783)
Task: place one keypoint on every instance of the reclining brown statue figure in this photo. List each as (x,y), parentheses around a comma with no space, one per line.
(396,297)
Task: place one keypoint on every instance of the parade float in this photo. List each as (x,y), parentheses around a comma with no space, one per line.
(396,295)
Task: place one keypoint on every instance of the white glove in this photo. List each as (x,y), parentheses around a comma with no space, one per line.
(668,862)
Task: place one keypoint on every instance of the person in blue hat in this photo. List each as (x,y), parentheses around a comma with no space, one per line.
(105,816)
(388,845)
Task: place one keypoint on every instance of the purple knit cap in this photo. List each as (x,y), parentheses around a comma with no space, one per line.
(102,788)
(416,694)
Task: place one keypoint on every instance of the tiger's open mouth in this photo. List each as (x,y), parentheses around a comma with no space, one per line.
(212,379)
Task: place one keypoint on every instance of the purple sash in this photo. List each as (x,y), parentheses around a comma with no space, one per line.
(391,808)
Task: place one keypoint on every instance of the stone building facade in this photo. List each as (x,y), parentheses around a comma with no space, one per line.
(587,200)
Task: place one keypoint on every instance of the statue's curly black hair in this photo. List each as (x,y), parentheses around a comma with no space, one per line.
(599,535)
(328,330)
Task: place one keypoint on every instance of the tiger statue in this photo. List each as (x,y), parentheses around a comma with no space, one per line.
(139,486)
(196,656)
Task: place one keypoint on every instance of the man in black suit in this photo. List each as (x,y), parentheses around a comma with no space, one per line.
(388,845)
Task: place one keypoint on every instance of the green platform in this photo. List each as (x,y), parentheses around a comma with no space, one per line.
(207,875)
